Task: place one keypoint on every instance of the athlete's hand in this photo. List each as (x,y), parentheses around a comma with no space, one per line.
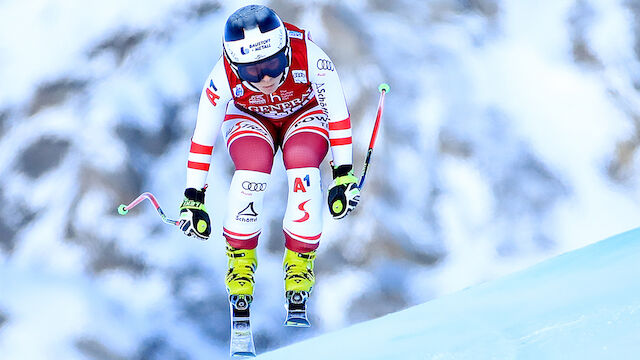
(194,219)
(344,194)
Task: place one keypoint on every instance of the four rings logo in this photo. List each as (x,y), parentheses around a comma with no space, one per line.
(252,186)
(324,64)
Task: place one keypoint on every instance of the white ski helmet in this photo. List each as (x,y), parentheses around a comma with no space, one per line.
(256,43)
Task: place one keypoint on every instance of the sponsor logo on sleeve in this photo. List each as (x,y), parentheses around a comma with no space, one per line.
(320,95)
(299,76)
(325,64)
(211,95)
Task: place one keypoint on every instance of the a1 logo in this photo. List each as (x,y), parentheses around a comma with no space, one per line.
(298,184)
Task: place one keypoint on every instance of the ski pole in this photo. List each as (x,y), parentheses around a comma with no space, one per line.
(383,88)
(124,209)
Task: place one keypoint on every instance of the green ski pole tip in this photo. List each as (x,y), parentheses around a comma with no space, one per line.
(122,210)
(383,87)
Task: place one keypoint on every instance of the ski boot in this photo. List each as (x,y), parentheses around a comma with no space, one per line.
(298,283)
(241,268)
(239,282)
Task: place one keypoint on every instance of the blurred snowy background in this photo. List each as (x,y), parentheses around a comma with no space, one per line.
(510,135)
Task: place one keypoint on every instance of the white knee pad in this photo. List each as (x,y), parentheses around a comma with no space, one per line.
(243,220)
(303,218)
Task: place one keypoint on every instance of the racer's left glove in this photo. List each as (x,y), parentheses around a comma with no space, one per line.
(344,194)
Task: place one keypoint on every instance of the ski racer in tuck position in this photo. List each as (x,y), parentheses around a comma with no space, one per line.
(272,88)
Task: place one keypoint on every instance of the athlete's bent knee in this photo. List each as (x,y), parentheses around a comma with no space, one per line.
(252,153)
(305,149)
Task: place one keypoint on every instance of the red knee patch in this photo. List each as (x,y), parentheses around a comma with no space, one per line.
(304,149)
(252,153)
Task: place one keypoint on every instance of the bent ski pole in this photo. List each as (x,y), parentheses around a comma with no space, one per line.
(124,209)
(383,88)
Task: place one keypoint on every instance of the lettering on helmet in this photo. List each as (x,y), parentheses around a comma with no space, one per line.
(260,45)
(295,34)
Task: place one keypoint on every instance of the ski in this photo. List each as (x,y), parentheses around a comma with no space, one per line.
(241,336)
(296,307)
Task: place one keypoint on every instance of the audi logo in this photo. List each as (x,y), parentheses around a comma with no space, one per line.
(252,186)
(324,64)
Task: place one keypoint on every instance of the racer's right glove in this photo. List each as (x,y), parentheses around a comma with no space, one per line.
(194,220)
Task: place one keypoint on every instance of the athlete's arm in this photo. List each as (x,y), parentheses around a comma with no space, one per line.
(328,90)
(211,110)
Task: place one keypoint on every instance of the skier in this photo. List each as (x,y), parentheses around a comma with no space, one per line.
(272,88)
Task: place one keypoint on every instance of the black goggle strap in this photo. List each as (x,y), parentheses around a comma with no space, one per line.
(287,54)
(234,68)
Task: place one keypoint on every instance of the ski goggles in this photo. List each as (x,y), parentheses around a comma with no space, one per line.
(271,66)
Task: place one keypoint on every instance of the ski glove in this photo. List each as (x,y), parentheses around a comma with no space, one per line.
(344,193)
(194,219)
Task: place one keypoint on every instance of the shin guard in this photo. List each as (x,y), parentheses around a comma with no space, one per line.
(243,222)
(302,222)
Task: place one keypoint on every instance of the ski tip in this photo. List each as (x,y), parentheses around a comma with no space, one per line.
(384,87)
(122,209)
(243,354)
(297,323)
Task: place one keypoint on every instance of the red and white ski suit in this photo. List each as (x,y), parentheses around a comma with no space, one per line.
(305,116)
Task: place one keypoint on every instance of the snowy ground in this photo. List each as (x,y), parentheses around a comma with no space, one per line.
(510,135)
(581,305)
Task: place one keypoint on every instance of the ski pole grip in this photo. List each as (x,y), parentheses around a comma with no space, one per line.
(124,209)
(383,87)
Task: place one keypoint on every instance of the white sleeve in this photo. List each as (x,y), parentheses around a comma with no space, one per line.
(328,90)
(211,111)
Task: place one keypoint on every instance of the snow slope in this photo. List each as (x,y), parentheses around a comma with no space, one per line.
(510,135)
(583,304)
